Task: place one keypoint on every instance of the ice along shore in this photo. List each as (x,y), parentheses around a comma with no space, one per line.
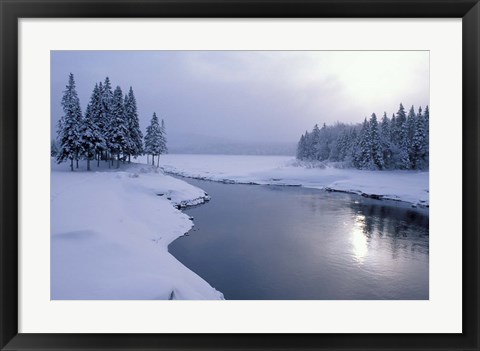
(407,186)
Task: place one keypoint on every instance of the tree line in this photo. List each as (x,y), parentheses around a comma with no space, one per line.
(399,142)
(109,130)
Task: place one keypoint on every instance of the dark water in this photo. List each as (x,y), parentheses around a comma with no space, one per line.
(283,243)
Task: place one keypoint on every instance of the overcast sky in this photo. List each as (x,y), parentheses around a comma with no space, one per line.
(244,96)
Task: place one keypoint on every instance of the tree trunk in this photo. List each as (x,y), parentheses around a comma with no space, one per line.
(148,162)
(118,160)
(76,160)
(153,160)
(71,164)
(98,160)
(128,158)
(158,160)
(88,163)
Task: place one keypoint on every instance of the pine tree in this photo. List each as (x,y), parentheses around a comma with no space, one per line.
(301,148)
(399,133)
(341,146)
(404,157)
(106,115)
(363,156)
(385,141)
(352,146)
(68,126)
(96,115)
(163,138)
(334,147)
(397,128)
(117,131)
(147,141)
(393,124)
(323,147)
(419,152)
(315,143)
(152,138)
(376,146)
(91,139)
(135,137)
(411,125)
(308,152)
(411,121)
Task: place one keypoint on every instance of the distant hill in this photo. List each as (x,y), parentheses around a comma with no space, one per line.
(198,144)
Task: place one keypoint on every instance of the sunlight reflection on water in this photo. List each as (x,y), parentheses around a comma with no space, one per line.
(359,239)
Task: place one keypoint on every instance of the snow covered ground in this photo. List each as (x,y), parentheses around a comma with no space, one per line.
(110,231)
(408,186)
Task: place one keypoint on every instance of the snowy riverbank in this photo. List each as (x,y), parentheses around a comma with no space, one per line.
(408,186)
(110,231)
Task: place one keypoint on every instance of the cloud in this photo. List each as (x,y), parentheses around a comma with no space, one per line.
(250,95)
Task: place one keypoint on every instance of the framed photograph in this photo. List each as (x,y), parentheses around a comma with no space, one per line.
(239,175)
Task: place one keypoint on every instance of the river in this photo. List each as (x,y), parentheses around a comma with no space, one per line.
(256,242)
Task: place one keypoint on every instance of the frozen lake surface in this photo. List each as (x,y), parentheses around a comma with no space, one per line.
(254,242)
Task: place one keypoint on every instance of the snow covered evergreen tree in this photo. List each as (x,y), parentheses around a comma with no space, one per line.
(153,139)
(91,139)
(342,146)
(352,145)
(404,155)
(399,133)
(419,154)
(117,129)
(398,125)
(106,115)
(315,142)
(163,139)
(377,154)
(323,147)
(386,141)
(135,136)
(96,116)
(301,148)
(363,155)
(69,124)
(411,125)
(308,151)
(335,149)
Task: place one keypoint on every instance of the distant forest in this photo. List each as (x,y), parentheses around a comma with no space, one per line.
(108,130)
(399,142)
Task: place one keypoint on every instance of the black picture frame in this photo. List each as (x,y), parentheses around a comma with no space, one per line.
(11,11)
